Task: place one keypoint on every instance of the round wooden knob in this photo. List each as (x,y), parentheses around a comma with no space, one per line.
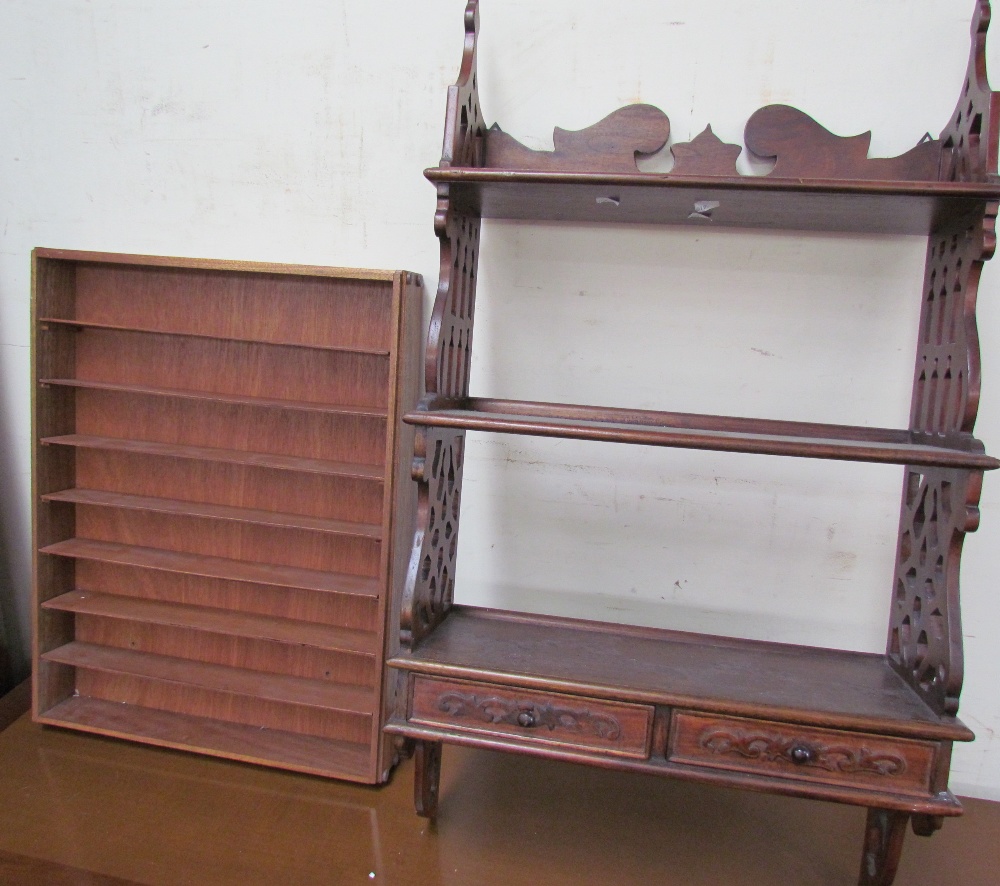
(801,754)
(526,719)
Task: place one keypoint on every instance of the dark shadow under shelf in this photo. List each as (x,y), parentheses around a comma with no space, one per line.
(302,753)
(227,399)
(214,567)
(215,677)
(760,202)
(181,508)
(228,622)
(691,431)
(231,456)
(808,685)
(87,324)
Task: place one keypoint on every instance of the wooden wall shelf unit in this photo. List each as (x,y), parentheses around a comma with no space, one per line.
(874,730)
(221,503)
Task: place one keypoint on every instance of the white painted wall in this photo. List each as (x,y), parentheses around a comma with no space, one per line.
(298,131)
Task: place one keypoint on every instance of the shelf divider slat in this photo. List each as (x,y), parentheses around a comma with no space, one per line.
(184,508)
(220,621)
(213,567)
(689,431)
(232,456)
(88,324)
(234,399)
(218,678)
(235,741)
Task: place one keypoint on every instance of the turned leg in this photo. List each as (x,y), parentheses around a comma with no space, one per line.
(427,762)
(884,832)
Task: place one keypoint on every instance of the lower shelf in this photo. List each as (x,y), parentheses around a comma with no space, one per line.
(234,741)
(787,719)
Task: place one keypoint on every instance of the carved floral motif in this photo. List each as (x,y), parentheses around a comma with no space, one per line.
(528,714)
(773,748)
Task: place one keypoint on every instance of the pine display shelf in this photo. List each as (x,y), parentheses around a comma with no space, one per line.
(874,730)
(221,512)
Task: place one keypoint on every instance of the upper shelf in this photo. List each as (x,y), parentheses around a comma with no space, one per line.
(818,180)
(760,202)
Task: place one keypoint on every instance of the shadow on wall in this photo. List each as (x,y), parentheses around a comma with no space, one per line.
(12,669)
(14,662)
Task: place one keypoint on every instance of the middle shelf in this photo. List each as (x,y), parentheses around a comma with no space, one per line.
(695,431)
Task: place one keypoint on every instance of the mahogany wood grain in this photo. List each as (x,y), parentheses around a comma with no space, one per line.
(326,378)
(217,454)
(222,399)
(802,684)
(202,565)
(242,305)
(610,145)
(256,516)
(319,496)
(253,543)
(309,435)
(807,754)
(202,618)
(275,687)
(758,203)
(243,457)
(940,805)
(352,611)
(248,743)
(547,718)
(47,324)
(714,433)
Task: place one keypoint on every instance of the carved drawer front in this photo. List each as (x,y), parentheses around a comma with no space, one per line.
(851,759)
(546,718)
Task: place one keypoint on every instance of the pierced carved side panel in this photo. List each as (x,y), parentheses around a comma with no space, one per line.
(463,128)
(430,579)
(925,631)
(946,377)
(969,141)
(449,337)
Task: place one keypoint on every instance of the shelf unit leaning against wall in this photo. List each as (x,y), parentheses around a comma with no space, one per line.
(221,503)
(874,730)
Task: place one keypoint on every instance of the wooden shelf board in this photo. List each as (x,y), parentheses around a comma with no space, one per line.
(231,456)
(212,264)
(687,431)
(888,207)
(218,621)
(248,744)
(821,687)
(215,677)
(182,508)
(214,567)
(87,324)
(228,399)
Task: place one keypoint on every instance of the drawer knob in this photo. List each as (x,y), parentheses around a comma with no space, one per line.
(526,719)
(801,754)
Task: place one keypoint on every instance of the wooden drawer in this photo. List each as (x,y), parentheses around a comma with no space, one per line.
(761,747)
(538,717)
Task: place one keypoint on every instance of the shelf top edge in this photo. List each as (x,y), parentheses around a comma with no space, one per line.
(209,264)
(987,190)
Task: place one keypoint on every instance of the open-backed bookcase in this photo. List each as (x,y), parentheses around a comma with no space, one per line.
(221,507)
(867,729)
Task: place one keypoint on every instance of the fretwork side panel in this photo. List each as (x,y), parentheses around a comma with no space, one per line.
(925,630)
(969,141)
(438,455)
(430,580)
(940,506)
